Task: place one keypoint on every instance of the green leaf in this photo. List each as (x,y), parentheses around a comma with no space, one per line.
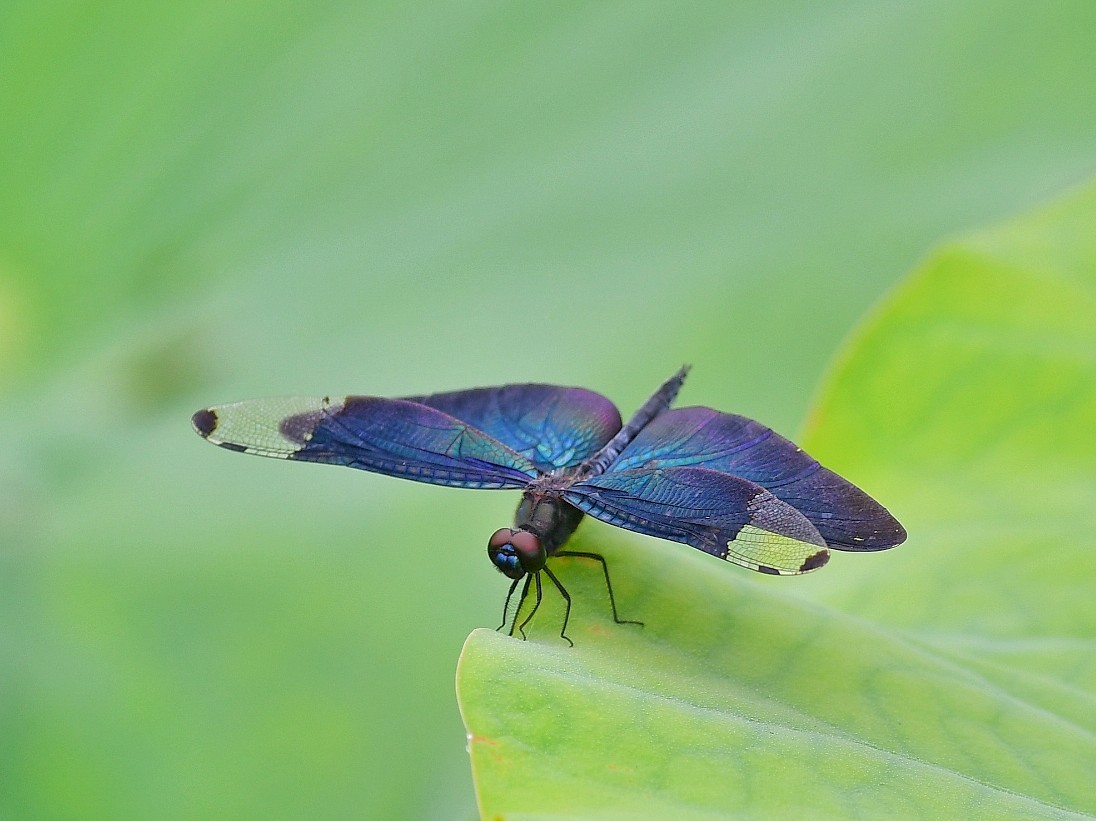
(954,675)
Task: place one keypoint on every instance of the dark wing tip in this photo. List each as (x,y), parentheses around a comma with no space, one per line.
(899,534)
(876,530)
(815,561)
(889,534)
(204,422)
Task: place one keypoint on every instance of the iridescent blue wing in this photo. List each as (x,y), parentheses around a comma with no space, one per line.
(389,436)
(727,516)
(847,517)
(550,426)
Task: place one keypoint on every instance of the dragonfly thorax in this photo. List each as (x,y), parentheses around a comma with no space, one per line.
(546,514)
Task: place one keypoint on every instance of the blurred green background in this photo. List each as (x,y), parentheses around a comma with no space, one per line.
(212,202)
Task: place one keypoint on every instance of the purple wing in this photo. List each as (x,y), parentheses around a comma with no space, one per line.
(390,436)
(727,516)
(550,426)
(847,517)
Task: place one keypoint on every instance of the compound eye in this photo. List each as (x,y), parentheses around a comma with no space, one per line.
(515,552)
(503,555)
(500,538)
(530,552)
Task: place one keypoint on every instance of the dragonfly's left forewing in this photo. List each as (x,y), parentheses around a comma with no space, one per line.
(265,427)
(389,436)
(727,516)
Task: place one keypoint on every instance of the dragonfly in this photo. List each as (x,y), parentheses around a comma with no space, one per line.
(722,483)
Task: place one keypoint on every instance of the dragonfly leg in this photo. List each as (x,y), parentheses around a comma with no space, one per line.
(521,599)
(597,557)
(506,605)
(567,611)
(540,595)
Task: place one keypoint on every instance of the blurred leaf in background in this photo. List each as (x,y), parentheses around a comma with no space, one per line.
(211,202)
(953,676)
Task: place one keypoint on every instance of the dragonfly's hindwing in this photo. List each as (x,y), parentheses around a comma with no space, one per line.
(727,516)
(552,427)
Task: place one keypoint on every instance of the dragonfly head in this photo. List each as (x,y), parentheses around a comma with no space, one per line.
(516,552)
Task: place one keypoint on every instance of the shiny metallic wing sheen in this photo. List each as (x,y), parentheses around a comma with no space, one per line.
(727,516)
(845,516)
(550,426)
(389,436)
